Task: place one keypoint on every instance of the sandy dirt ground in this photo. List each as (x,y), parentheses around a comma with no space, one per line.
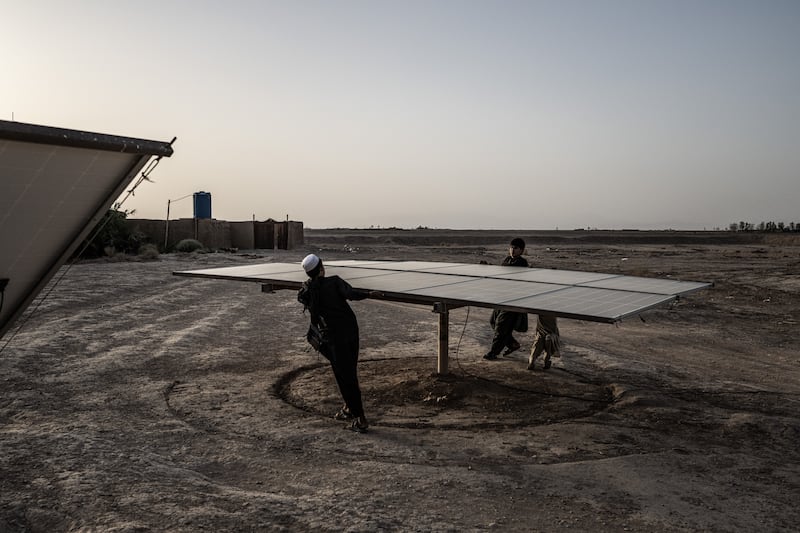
(135,400)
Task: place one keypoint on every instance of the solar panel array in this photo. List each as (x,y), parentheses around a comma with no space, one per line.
(565,293)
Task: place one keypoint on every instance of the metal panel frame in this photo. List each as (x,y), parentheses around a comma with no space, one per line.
(34,133)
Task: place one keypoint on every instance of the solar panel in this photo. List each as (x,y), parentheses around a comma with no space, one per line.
(562,293)
(396,265)
(55,186)
(651,285)
(562,277)
(588,303)
(572,294)
(486,290)
(478,270)
(251,272)
(355,273)
(542,275)
(403,282)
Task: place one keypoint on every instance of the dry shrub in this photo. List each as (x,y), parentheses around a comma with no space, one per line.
(148,252)
(189,245)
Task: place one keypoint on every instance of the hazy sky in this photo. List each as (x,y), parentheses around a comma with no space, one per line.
(499,114)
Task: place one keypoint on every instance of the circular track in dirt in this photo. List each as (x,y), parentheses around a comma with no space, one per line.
(408,392)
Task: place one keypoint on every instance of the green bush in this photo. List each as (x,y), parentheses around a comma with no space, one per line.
(111,237)
(188,245)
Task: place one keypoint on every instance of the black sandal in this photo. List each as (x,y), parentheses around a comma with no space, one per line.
(511,349)
(343,414)
(360,425)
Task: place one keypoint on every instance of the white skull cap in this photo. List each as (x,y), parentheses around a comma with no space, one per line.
(310,262)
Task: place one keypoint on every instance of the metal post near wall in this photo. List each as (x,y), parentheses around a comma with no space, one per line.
(166,225)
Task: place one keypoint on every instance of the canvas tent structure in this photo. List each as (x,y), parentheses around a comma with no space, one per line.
(55,186)
(592,296)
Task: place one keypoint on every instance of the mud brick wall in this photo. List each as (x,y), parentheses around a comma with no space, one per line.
(243,235)
(220,234)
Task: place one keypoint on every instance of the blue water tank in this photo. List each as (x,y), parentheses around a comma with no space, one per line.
(202,204)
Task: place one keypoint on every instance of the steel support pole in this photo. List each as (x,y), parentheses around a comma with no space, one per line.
(444,337)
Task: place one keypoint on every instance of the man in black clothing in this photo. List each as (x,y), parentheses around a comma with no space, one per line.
(326,298)
(506,322)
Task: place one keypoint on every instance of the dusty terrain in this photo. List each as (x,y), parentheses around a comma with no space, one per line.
(135,400)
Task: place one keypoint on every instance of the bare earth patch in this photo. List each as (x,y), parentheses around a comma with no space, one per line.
(134,400)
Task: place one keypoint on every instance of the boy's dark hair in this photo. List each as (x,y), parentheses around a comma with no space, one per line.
(519,243)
